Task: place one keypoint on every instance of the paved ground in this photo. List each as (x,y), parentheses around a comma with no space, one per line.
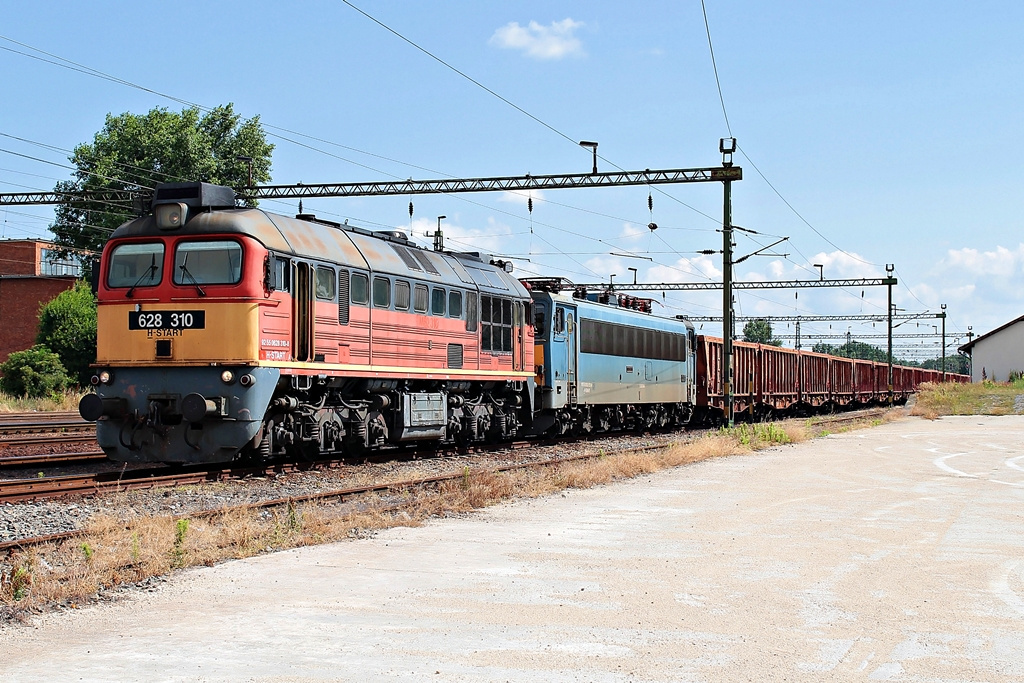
(895,553)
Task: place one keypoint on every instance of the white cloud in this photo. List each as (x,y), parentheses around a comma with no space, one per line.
(554,41)
(490,239)
(521,197)
(1001,262)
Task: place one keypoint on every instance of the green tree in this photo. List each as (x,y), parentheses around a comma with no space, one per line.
(34,373)
(67,326)
(134,153)
(759,331)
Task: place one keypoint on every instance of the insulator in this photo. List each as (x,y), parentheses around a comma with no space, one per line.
(650,202)
(410,210)
(529,204)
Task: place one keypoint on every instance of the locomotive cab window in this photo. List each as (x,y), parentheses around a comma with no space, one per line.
(559,323)
(282,274)
(360,290)
(540,319)
(213,262)
(325,283)
(136,265)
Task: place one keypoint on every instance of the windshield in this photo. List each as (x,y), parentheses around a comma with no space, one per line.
(208,263)
(136,265)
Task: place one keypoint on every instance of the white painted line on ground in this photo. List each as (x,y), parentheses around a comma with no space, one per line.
(1001,586)
(941,464)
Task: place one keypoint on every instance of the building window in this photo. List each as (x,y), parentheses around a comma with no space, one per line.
(52,264)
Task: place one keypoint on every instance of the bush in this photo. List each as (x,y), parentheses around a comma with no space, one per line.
(67,326)
(35,372)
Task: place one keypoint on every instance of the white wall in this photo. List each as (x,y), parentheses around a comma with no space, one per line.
(999,355)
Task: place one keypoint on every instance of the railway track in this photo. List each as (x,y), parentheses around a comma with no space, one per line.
(50,459)
(56,487)
(465,473)
(33,423)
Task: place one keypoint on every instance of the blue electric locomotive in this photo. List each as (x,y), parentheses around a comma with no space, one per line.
(602,362)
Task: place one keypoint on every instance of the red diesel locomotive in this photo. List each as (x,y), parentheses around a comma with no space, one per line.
(228,331)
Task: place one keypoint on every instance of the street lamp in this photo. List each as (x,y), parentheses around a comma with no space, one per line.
(438,236)
(247,160)
(593,148)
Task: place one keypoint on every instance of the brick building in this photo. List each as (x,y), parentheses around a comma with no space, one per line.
(30,275)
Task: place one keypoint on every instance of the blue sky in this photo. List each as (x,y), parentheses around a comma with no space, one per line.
(887,128)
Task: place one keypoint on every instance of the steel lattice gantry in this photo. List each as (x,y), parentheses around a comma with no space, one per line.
(712,286)
(410,186)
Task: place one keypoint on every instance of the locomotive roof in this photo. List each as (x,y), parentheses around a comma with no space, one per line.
(346,246)
(615,313)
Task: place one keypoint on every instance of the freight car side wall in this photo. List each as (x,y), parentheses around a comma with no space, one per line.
(775,378)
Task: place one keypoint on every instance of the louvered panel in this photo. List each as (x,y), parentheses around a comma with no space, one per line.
(455,355)
(343,278)
(425,262)
(406,256)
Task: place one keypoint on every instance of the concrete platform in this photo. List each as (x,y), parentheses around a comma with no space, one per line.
(895,553)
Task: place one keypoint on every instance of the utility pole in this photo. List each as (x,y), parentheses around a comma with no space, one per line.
(889,267)
(943,315)
(727,146)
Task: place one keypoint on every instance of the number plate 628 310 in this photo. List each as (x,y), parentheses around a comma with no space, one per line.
(166,320)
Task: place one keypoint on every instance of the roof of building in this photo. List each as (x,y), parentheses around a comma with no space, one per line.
(966,348)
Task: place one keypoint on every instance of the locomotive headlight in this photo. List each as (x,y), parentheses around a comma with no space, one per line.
(227,377)
(170,216)
(105,377)
(247,380)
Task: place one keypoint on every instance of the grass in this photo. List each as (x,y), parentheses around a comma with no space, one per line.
(115,552)
(984,398)
(66,401)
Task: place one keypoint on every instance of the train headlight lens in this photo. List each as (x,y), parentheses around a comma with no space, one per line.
(227,377)
(105,377)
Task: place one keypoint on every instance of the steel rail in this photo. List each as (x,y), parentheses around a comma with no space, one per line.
(13,461)
(37,439)
(341,494)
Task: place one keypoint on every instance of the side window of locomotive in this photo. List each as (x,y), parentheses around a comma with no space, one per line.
(454,304)
(210,262)
(496,324)
(325,283)
(540,317)
(420,299)
(437,301)
(381,292)
(136,265)
(401,295)
(559,322)
(360,290)
(282,274)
